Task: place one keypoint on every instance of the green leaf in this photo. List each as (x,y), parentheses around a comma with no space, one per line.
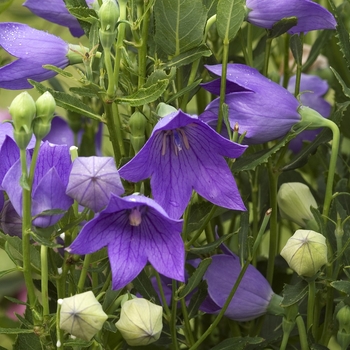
(27,342)
(208,248)
(282,26)
(24,182)
(179,25)
(84,14)
(82,91)
(160,74)
(5,272)
(296,47)
(195,278)
(15,331)
(66,101)
(197,299)
(144,286)
(4,4)
(189,56)
(230,16)
(238,343)
(183,91)
(44,241)
(58,70)
(341,286)
(145,95)
(292,294)
(345,89)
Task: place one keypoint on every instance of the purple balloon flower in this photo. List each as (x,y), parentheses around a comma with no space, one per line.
(313,88)
(182,154)
(92,180)
(33,48)
(55,11)
(49,184)
(310,15)
(263,109)
(252,297)
(135,230)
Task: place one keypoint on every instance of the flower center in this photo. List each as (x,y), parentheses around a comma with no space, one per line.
(178,139)
(135,217)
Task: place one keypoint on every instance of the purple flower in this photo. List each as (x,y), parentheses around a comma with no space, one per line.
(10,221)
(135,230)
(49,184)
(33,48)
(252,297)
(310,15)
(182,154)
(92,180)
(313,88)
(263,109)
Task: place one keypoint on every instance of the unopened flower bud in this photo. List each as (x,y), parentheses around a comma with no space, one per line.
(137,124)
(305,252)
(23,111)
(45,108)
(294,201)
(343,335)
(82,315)
(108,15)
(140,322)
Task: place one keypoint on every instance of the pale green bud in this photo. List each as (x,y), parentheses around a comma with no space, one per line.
(164,109)
(140,322)
(343,335)
(45,108)
(294,200)
(81,315)
(305,252)
(108,15)
(22,110)
(137,124)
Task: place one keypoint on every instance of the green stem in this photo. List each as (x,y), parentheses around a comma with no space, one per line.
(44,280)
(250,45)
(83,273)
(173,330)
(109,69)
(267,56)
(191,78)
(286,73)
(187,329)
(162,296)
(226,43)
(311,304)
(302,333)
(210,22)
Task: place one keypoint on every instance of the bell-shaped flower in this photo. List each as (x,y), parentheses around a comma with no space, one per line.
(49,184)
(294,201)
(55,11)
(263,109)
(305,252)
(140,322)
(82,315)
(310,15)
(92,180)
(312,89)
(10,221)
(253,298)
(135,230)
(33,48)
(182,154)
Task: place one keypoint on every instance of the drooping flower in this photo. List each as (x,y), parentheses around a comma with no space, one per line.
(49,184)
(262,108)
(55,11)
(253,298)
(312,89)
(92,180)
(182,154)
(135,230)
(33,48)
(294,201)
(140,322)
(10,221)
(310,15)
(81,315)
(305,252)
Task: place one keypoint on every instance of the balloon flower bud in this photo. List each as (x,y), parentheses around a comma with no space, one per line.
(294,201)
(137,124)
(305,252)
(140,322)
(82,315)
(343,335)
(45,108)
(109,15)
(23,111)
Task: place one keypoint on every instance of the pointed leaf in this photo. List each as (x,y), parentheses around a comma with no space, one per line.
(197,299)
(238,343)
(230,16)
(294,293)
(208,248)
(342,286)
(345,89)
(15,331)
(144,286)
(58,70)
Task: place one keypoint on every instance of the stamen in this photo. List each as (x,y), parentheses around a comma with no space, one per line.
(165,134)
(135,217)
(184,138)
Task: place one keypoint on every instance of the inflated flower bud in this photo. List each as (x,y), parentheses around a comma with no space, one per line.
(23,111)
(305,252)
(108,15)
(45,108)
(140,322)
(343,335)
(294,201)
(137,124)
(81,315)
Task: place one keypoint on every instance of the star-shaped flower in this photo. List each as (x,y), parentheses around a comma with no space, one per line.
(182,154)
(135,230)
(92,180)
